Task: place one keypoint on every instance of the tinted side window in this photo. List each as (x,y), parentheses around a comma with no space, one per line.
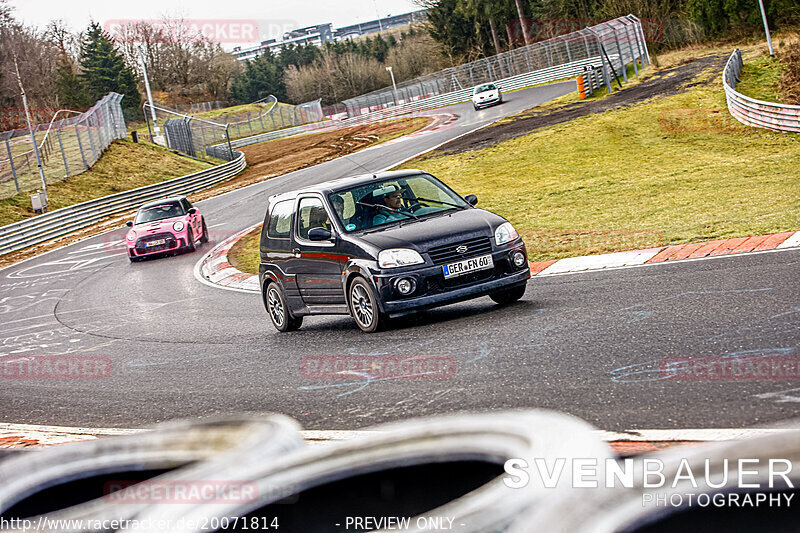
(186,204)
(312,215)
(280,219)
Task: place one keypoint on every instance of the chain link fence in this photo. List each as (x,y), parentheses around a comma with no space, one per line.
(610,46)
(193,135)
(67,146)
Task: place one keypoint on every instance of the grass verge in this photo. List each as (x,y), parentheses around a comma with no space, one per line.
(761,78)
(244,255)
(125,165)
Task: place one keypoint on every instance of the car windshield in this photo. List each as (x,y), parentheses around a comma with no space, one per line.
(158,212)
(484,88)
(383,202)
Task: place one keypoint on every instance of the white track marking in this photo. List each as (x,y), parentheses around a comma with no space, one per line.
(791,242)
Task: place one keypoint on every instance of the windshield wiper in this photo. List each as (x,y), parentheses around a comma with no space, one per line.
(437,201)
(379,207)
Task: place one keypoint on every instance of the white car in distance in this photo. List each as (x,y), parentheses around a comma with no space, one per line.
(485,95)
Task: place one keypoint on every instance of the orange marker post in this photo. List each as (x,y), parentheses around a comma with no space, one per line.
(581,88)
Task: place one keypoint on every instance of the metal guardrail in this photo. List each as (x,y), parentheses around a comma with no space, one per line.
(63,221)
(752,112)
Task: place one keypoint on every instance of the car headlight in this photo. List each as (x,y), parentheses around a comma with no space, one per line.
(131,236)
(178,226)
(504,233)
(398,257)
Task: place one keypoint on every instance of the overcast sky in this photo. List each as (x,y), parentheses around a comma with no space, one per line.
(272,16)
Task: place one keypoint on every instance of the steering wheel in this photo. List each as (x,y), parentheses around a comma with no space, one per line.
(415,206)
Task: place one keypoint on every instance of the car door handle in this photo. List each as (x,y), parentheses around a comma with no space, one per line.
(296,253)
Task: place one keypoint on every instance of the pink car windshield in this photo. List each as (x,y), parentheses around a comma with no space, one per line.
(158,212)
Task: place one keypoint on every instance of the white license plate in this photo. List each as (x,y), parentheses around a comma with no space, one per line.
(467,265)
(154,243)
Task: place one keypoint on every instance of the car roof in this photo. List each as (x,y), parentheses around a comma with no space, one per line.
(339,184)
(162,201)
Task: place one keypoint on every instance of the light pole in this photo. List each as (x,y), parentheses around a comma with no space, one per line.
(375,3)
(766,27)
(33,137)
(394,86)
(149,94)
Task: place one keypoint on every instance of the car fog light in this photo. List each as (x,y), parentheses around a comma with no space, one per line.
(519,259)
(405,286)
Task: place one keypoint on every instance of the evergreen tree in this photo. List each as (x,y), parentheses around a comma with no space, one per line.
(103,70)
(262,76)
(71,89)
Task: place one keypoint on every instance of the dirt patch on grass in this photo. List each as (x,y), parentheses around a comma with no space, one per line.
(663,83)
(281,156)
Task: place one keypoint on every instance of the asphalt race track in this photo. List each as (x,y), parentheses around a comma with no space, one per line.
(589,344)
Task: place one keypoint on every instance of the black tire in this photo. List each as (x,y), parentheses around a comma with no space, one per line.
(364,306)
(508,296)
(277,310)
(476,107)
(204,238)
(190,239)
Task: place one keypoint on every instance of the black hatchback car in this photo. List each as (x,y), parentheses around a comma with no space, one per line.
(383,245)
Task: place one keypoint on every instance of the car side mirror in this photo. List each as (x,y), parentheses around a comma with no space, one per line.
(319,234)
(471,199)
(192,210)
(129,224)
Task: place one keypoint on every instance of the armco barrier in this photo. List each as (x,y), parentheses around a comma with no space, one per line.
(63,221)
(752,112)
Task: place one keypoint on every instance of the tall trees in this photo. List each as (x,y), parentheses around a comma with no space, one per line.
(103,69)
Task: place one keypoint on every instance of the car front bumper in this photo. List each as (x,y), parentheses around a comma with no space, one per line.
(487,102)
(173,243)
(432,290)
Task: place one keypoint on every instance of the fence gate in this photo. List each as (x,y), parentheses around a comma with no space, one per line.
(179,135)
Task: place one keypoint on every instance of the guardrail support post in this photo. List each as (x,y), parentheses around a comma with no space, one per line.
(621,58)
(11,162)
(645,52)
(634,59)
(61,145)
(230,149)
(95,153)
(80,147)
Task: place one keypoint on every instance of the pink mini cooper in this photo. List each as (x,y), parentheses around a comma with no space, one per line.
(165,226)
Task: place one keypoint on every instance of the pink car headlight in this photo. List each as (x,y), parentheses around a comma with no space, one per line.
(178,226)
(131,236)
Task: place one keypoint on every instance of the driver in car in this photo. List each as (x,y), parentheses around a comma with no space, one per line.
(394,201)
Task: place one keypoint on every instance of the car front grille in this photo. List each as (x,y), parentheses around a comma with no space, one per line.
(169,243)
(447,253)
